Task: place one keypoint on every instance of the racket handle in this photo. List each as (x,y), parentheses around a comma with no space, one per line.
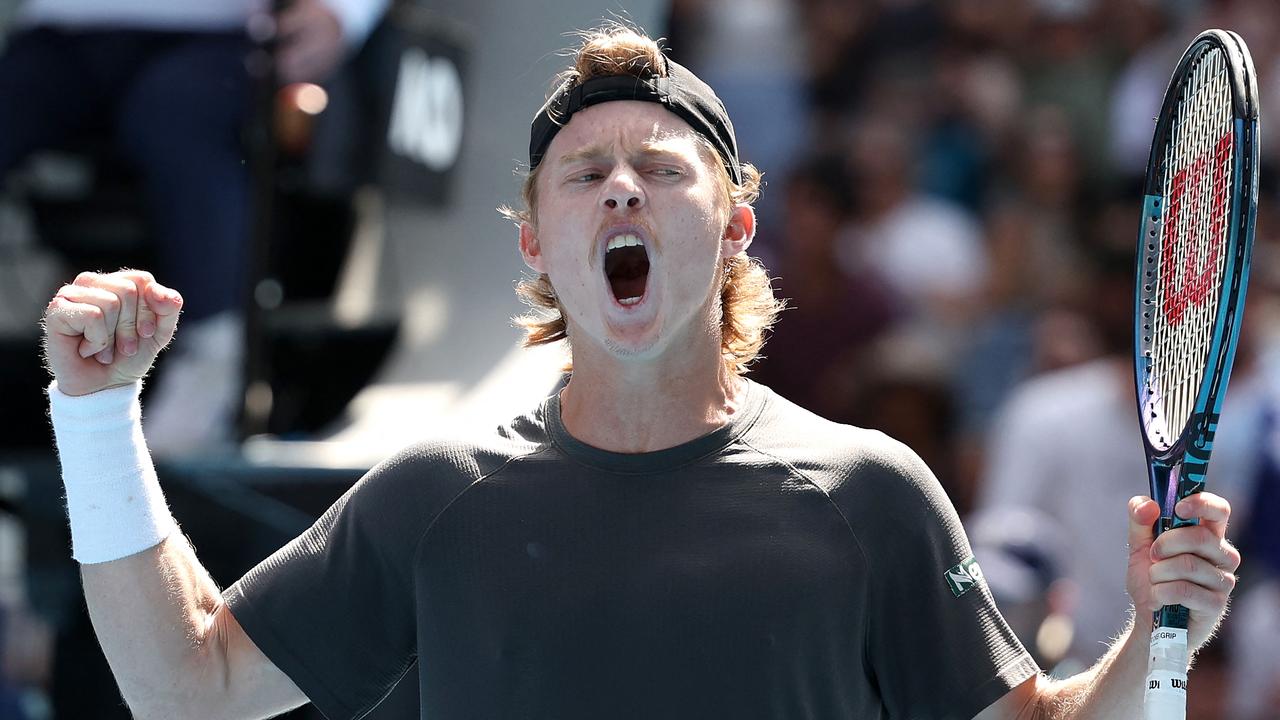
(1166,692)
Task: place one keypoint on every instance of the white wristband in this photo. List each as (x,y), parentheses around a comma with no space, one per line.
(114,501)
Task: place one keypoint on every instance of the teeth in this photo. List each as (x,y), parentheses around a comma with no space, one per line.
(629,301)
(623,241)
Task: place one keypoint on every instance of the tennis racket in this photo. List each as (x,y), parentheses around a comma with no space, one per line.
(1201,196)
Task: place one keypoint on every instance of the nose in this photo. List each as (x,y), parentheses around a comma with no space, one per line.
(623,191)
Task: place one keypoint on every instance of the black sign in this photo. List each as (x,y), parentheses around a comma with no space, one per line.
(419,62)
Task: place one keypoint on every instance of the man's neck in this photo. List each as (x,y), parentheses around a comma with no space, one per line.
(635,407)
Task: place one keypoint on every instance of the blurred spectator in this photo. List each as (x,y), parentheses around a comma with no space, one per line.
(26,640)
(927,249)
(1254,623)
(832,316)
(1037,265)
(1139,90)
(167,82)
(1070,65)
(1022,553)
(1000,27)
(1254,683)
(901,387)
(974,98)
(840,45)
(861,50)
(1045,175)
(764,90)
(1258,22)
(1067,443)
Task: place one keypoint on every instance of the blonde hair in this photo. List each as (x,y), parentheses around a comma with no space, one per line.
(748,307)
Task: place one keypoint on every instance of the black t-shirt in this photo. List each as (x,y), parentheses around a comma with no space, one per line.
(782,566)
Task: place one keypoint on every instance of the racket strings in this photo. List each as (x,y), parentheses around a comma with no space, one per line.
(1197,171)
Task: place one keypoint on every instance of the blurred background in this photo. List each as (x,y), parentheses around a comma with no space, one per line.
(951,202)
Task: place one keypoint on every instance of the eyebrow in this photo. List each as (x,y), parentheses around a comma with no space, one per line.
(649,150)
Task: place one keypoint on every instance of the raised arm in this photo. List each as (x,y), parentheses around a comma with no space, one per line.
(1193,566)
(175,650)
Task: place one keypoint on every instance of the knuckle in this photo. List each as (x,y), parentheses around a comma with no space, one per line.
(1187,564)
(1233,555)
(85,278)
(1205,536)
(1184,591)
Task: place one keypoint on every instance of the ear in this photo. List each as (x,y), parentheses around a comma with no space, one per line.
(531,248)
(740,230)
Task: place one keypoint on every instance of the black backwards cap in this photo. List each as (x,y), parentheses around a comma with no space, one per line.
(680,91)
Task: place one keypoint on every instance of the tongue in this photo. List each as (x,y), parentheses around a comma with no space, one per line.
(629,288)
(628,271)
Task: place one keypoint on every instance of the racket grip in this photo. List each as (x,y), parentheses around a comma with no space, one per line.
(1166,691)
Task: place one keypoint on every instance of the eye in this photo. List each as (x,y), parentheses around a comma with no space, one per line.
(585,176)
(667,172)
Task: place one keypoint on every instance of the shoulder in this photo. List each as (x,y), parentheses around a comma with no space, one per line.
(430,473)
(840,459)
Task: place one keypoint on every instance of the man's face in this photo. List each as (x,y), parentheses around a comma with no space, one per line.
(632,225)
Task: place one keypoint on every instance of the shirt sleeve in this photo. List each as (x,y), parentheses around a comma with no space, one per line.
(334,608)
(936,644)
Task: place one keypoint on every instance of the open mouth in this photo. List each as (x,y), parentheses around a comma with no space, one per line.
(626,264)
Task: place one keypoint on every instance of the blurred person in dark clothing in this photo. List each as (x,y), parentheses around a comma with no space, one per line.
(167,82)
(927,249)
(901,386)
(1255,619)
(832,315)
(1069,64)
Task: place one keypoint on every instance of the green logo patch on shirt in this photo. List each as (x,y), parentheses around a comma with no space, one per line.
(964,576)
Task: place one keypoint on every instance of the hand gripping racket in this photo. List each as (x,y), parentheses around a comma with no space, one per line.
(1200,204)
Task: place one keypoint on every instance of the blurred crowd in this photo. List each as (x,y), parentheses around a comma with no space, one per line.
(952,199)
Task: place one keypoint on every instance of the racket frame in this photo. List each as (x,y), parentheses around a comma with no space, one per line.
(1177,469)
(1188,454)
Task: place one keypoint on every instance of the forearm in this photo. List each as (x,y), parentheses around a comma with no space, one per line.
(1112,689)
(153,612)
(175,649)
(148,596)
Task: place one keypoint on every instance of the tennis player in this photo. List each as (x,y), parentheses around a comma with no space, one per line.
(662,539)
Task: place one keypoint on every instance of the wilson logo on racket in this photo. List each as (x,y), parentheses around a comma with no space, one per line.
(963,577)
(1189,282)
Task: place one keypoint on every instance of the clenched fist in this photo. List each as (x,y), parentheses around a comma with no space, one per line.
(105,330)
